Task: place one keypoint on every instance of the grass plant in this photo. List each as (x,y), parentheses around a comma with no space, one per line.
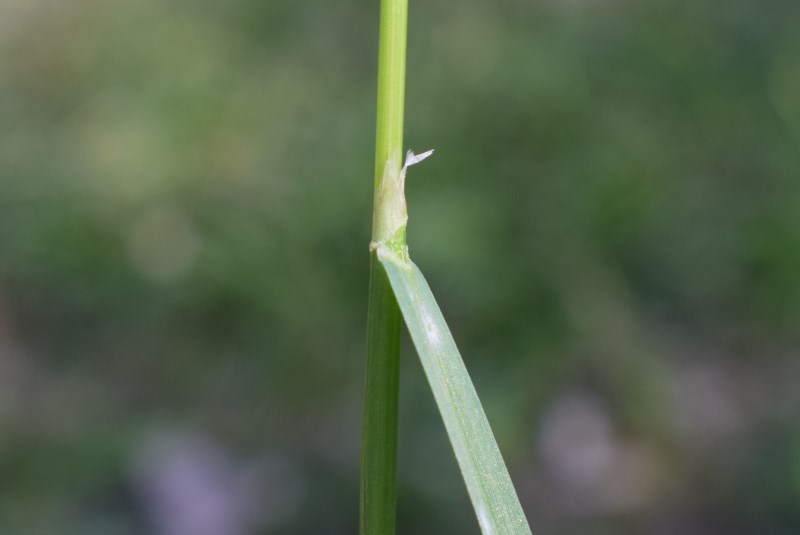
(399,291)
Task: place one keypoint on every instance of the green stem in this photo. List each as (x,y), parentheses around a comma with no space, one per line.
(391,86)
(379,442)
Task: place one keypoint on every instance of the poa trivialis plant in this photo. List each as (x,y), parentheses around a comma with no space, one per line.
(398,291)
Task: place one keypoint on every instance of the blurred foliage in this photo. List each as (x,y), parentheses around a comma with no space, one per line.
(611,223)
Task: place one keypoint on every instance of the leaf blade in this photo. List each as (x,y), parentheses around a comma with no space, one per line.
(488,482)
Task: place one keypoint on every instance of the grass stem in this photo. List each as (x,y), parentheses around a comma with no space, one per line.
(379,439)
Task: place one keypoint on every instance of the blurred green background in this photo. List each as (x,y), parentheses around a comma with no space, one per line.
(611,223)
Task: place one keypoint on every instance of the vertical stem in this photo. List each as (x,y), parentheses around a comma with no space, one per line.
(379,441)
(391,85)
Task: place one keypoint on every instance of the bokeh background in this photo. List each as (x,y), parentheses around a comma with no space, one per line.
(611,223)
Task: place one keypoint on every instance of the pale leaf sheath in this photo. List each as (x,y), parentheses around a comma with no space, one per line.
(485,474)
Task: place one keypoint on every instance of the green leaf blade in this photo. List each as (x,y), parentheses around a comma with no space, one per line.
(488,483)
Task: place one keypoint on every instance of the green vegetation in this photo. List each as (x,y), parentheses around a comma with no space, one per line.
(379,444)
(493,498)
